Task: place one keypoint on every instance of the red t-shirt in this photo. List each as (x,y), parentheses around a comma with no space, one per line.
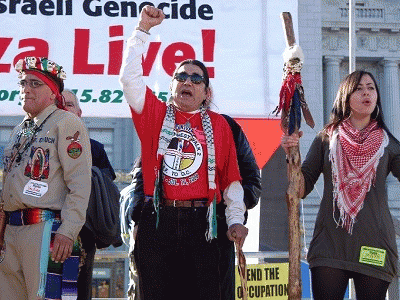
(185,167)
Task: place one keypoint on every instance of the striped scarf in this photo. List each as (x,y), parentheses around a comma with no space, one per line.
(166,135)
(354,155)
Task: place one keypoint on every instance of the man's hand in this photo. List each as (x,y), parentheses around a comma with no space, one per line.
(237,233)
(150,16)
(62,248)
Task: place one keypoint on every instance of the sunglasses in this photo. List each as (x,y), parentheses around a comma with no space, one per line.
(194,78)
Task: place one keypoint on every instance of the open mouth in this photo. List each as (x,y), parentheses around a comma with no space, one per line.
(186,93)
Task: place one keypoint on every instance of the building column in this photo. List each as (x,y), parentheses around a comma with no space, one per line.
(390,95)
(332,71)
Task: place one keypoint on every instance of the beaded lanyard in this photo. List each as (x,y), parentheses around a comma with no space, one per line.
(25,145)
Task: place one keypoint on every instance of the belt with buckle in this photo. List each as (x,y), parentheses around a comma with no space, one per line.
(181,203)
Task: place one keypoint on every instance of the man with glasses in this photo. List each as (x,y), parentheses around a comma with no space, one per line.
(188,159)
(46,189)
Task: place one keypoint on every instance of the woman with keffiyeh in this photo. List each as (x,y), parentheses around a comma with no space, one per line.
(354,236)
(188,159)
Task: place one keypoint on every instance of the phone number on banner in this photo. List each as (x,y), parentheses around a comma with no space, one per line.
(105,96)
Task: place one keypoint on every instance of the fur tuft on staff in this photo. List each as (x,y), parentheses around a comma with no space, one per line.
(291,97)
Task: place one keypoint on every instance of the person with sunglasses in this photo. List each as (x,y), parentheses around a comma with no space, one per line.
(46,189)
(188,159)
(132,199)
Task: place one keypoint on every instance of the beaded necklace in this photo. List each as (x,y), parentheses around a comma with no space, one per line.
(187,124)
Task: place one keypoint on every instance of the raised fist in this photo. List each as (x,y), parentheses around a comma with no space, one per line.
(150,16)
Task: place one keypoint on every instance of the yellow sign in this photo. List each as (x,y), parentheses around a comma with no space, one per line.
(265,281)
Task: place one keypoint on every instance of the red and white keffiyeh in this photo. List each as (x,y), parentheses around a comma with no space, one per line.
(354,155)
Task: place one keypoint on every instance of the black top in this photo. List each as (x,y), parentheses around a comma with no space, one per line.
(333,246)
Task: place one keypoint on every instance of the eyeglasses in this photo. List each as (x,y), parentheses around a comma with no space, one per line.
(195,78)
(32,83)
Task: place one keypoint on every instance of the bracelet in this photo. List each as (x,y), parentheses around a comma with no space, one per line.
(142,30)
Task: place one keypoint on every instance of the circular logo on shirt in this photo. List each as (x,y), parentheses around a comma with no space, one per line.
(74,150)
(184,155)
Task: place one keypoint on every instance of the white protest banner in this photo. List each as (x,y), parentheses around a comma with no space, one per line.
(88,37)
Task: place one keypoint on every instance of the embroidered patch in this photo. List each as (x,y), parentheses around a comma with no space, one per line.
(3,252)
(372,256)
(74,149)
(38,165)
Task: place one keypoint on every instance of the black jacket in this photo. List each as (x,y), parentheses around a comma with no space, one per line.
(249,171)
(102,216)
(100,158)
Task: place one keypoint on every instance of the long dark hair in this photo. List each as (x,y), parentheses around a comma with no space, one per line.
(341,106)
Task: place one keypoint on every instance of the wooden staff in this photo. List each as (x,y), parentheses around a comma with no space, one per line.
(242,268)
(292,103)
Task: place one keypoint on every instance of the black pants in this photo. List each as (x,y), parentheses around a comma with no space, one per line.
(227,259)
(174,260)
(331,283)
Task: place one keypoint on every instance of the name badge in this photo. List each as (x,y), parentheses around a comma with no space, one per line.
(372,256)
(35,188)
